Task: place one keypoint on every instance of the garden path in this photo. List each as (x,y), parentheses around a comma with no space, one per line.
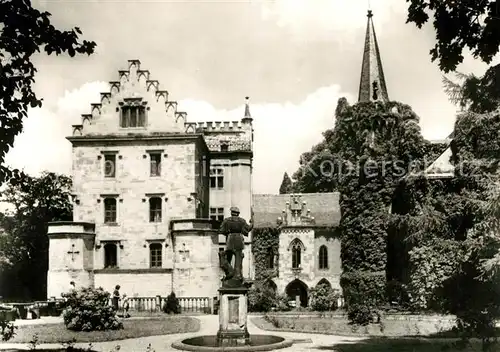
(208,326)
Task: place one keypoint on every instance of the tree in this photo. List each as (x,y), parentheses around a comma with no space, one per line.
(36,201)
(472,24)
(476,94)
(23,31)
(286,185)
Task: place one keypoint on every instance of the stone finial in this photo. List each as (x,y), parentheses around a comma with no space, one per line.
(296,213)
(247,118)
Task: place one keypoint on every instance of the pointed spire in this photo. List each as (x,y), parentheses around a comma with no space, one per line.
(248,116)
(372,83)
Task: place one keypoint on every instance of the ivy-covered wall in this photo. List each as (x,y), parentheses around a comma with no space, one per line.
(379,144)
(264,240)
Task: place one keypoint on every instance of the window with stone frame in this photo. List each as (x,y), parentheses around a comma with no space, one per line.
(217,214)
(155,209)
(296,247)
(155,164)
(110,255)
(110,210)
(155,255)
(110,165)
(217,177)
(132,116)
(224,146)
(323,257)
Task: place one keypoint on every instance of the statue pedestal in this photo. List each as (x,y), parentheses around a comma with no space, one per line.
(233,317)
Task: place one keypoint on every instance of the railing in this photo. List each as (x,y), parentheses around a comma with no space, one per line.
(203,305)
(196,305)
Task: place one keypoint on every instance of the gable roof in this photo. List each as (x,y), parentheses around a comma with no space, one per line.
(325,208)
(441,167)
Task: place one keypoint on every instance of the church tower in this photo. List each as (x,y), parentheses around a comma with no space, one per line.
(372,83)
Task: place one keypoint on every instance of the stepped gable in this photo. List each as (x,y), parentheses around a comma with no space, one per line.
(134,87)
(269,207)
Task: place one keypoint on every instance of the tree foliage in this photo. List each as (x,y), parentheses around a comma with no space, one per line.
(24,245)
(476,94)
(472,24)
(23,31)
(286,185)
(477,303)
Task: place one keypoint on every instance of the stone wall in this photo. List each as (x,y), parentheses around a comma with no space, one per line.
(139,284)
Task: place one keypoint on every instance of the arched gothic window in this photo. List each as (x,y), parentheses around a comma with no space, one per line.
(296,247)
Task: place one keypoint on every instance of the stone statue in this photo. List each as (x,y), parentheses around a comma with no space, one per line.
(234,228)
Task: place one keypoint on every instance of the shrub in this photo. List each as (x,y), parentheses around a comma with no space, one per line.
(261,299)
(88,309)
(364,294)
(8,329)
(324,298)
(172,305)
(281,303)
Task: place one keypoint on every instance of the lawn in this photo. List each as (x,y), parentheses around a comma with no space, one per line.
(403,345)
(53,350)
(133,328)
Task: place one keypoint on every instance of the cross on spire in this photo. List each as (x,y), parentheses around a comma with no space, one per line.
(372,83)
(73,252)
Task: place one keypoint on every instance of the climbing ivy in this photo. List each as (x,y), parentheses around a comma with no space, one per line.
(264,240)
(371,148)
(379,144)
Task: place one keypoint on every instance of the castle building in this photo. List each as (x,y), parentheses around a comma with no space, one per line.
(150,190)
(148,186)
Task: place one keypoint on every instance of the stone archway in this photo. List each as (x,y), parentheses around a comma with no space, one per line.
(324,282)
(297,288)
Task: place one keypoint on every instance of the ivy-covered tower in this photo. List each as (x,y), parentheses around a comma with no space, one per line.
(372,85)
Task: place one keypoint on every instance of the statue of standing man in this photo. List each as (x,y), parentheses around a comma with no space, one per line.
(234,228)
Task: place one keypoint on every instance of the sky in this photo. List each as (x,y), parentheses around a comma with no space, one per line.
(293,58)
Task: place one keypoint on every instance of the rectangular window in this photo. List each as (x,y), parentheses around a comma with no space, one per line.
(217,214)
(155,255)
(133,116)
(109,165)
(224,147)
(110,255)
(217,178)
(155,164)
(155,209)
(109,210)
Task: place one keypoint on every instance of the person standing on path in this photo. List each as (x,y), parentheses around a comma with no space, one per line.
(116,297)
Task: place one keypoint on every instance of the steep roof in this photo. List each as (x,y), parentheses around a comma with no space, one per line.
(372,85)
(325,208)
(441,167)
